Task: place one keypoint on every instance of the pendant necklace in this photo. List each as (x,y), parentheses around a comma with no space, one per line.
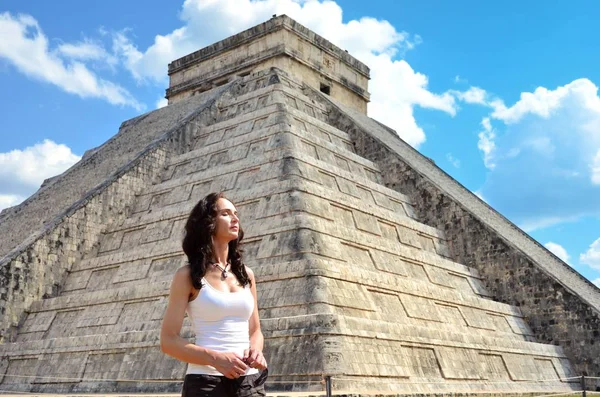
(223,270)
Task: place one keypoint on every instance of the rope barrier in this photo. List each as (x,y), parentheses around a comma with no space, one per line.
(142,380)
(325,380)
(275,381)
(94,380)
(4,391)
(560,394)
(296,381)
(483,380)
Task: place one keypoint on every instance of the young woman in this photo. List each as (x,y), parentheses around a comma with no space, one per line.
(219,294)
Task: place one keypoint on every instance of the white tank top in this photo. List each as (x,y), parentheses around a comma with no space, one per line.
(220,321)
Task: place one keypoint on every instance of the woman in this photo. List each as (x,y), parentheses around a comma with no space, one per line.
(219,294)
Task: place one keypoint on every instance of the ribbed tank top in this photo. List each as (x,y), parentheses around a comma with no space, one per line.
(220,321)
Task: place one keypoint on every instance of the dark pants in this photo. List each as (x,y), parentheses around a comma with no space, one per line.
(219,386)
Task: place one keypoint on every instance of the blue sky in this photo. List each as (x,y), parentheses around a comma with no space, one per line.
(501,95)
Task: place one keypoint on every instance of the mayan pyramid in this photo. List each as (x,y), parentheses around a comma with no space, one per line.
(375,267)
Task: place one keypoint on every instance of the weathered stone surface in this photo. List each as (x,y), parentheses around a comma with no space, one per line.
(560,305)
(280,42)
(352,282)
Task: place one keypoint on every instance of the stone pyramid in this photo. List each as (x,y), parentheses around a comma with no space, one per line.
(374,267)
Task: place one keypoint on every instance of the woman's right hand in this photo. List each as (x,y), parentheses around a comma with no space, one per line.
(230,365)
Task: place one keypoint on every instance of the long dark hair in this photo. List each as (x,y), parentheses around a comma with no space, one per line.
(197,242)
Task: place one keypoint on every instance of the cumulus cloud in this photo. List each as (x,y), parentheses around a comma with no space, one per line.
(486,143)
(478,194)
(454,161)
(8,200)
(545,103)
(474,95)
(595,169)
(23,171)
(25,46)
(395,87)
(86,50)
(558,250)
(161,103)
(543,155)
(592,256)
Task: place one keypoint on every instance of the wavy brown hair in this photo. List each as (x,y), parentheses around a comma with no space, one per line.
(197,242)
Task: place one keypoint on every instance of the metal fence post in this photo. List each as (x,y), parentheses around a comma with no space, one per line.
(328,386)
(583,385)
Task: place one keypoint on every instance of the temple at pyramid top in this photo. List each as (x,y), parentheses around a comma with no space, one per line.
(280,42)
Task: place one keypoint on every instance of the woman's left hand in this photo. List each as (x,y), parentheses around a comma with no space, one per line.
(255,359)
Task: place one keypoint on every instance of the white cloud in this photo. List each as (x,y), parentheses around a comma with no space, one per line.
(544,102)
(455,162)
(85,51)
(531,223)
(592,256)
(486,143)
(558,250)
(595,169)
(544,161)
(596,282)
(24,45)
(161,103)
(125,49)
(395,87)
(8,200)
(478,194)
(23,171)
(474,95)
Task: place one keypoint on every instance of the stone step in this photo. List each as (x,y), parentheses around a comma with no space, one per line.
(383,209)
(378,295)
(157,288)
(224,176)
(236,134)
(275,164)
(265,139)
(272,96)
(360,187)
(320,210)
(284,237)
(413,293)
(326,325)
(283,134)
(240,114)
(349,327)
(433,306)
(145,255)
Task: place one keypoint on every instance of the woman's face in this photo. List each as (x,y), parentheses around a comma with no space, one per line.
(227,224)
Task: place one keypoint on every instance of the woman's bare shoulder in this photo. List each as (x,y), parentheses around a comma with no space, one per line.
(183,275)
(182,283)
(249,272)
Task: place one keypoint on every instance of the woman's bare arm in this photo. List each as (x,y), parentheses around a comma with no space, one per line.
(254,356)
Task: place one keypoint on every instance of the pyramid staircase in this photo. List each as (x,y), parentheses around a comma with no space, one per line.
(351,285)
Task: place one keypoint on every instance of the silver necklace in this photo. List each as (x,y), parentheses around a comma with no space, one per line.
(223,270)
